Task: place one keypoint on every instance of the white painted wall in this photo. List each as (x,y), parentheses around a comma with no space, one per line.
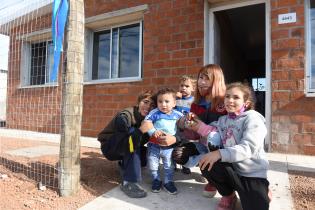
(3,94)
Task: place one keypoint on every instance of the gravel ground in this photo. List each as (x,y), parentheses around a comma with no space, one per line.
(302,186)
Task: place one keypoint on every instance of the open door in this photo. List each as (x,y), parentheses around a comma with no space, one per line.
(239,43)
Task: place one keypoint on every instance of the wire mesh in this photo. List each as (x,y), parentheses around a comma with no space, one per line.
(31,113)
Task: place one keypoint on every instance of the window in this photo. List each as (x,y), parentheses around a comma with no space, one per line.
(310,47)
(41,62)
(259,84)
(38,62)
(117,54)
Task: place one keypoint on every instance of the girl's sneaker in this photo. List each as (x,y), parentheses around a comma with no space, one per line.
(209,191)
(227,202)
(170,188)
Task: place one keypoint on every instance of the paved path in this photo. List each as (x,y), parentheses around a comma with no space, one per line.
(190,188)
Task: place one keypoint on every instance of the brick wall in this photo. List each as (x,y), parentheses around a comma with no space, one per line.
(172,45)
(34,109)
(293,114)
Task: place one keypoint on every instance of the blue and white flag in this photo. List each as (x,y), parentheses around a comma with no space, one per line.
(59,19)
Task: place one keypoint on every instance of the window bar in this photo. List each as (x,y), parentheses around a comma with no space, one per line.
(117,56)
(140,49)
(110,54)
(46,64)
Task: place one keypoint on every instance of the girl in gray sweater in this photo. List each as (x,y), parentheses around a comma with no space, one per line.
(240,164)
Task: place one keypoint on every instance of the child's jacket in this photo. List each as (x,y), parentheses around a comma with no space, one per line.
(243,141)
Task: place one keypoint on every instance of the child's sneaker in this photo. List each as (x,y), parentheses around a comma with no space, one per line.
(227,202)
(156,186)
(170,188)
(209,191)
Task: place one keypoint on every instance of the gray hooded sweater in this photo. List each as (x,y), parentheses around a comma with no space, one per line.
(243,143)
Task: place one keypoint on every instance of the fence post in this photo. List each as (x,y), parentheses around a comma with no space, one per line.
(72,92)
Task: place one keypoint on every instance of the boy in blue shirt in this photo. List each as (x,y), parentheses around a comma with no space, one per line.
(164,119)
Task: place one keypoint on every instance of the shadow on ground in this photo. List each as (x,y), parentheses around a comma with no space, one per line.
(98,175)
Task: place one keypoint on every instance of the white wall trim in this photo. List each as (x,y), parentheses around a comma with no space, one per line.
(268,102)
(309,92)
(116,17)
(44,34)
(235,4)
(118,80)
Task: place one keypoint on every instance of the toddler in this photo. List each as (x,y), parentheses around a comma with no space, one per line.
(164,119)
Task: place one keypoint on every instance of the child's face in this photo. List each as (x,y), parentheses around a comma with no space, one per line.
(166,103)
(234,100)
(203,84)
(186,88)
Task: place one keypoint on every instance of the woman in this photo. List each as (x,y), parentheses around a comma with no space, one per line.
(122,140)
(208,106)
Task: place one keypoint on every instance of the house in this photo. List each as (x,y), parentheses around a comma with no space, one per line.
(137,45)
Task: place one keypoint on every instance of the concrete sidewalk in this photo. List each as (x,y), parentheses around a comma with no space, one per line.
(190,188)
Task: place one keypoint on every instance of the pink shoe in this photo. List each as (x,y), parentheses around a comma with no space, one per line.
(209,191)
(227,202)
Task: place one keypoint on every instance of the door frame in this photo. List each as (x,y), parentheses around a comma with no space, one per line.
(209,49)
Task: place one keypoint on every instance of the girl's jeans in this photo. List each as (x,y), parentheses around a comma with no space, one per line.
(155,153)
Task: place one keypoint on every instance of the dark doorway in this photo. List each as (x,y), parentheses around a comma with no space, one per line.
(239,47)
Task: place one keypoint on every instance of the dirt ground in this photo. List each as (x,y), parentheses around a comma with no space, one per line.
(302,186)
(19,190)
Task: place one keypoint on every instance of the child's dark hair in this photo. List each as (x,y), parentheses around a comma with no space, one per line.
(166,91)
(247,91)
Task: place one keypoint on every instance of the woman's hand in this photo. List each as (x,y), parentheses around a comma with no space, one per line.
(209,159)
(146,125)
(167,140)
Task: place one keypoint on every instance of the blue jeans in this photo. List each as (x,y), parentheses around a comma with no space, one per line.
(194,160)
(155,152)
(130,165)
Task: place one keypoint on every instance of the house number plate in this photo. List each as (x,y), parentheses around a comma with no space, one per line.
(287,18)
